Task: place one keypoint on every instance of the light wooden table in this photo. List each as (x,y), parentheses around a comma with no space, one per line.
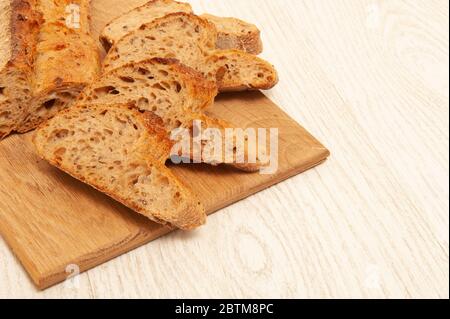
(370,80)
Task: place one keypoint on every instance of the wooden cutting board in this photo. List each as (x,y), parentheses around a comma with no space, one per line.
(52,221)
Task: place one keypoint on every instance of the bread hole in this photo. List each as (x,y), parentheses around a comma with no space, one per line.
(108,131)
(260,75)
(127,79)
(2,90)
(4,114)
(60,134)
(152,38)
(158,86)
(166,85)
(142,103)
(177,86)
(143,71)
(66,95)
(164,181)
(106,90)
(49,104)
(103,113)
(95,139)
(163,72)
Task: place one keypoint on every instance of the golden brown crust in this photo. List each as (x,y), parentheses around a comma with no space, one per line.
(25,24)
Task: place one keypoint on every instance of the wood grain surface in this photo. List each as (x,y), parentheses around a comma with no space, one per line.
(368,77)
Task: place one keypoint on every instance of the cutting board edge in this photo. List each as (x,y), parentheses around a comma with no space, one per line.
(51,278)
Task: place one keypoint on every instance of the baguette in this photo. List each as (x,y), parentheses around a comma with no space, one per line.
(44,61)
(191,40)
(20,24)
(232,33)
(66,61)
(120,152)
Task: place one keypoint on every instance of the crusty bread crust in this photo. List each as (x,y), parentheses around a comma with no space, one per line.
(25,24)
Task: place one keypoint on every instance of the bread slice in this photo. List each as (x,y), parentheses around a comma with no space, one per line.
(20,25)
(120,152)
(236,34)
(191,40)
(232,33)
(165,87)
(132,20)
(238,71)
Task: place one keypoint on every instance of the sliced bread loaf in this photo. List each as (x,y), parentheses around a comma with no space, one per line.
(120,152)
(66,60)
(191,40)
(232,33)
(19,29)
(236,34)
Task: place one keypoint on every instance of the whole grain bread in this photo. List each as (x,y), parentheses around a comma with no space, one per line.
(19,29)
(235,70)
(66,60)
(216,149)
(232,33)
(191,40)
(236,34)
(45,61)
(121,152)
(174,92)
